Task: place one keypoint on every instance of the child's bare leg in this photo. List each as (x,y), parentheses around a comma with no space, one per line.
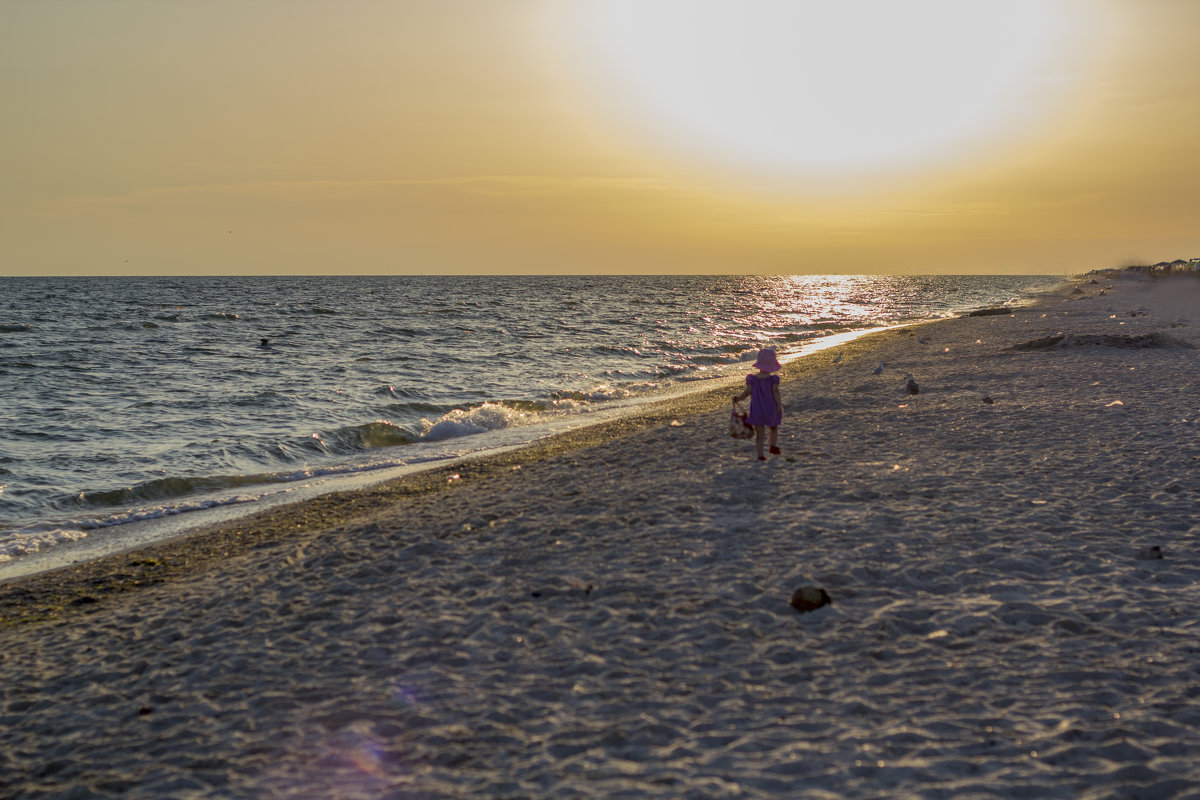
(758,440)
(774,439)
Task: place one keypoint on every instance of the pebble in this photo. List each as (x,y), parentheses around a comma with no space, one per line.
(810,598)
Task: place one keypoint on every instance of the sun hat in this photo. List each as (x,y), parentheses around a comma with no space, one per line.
(767,361)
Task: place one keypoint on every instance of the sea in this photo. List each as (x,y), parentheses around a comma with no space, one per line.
(136,408)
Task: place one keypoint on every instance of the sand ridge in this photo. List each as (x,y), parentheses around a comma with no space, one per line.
(611,618)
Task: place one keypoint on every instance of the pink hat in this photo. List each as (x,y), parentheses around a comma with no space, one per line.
(766,360)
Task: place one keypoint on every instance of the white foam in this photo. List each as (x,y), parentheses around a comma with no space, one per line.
(481,419)
(28,541)
(24,544)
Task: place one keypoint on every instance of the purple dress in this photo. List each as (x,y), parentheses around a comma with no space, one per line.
(763,410)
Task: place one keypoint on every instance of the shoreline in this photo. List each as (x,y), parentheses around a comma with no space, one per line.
(303,420)
(57,589)
(1012,557)
(150,532)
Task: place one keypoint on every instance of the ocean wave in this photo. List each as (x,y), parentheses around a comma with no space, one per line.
(369,436)
(15,327)
(208,491)
(170,487)
(604,392)
(25,544)
(640,351)
(418,407)
(17,544)
(302,310)
(726,357)
(481,419)
(259,399)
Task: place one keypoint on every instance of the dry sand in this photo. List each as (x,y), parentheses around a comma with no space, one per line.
(606,615)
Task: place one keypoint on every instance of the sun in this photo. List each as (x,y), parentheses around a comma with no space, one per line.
(823,88)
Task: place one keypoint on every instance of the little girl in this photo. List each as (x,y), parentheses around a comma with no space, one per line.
(766,409)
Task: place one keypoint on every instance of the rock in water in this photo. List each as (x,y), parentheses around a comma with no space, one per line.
(1151,553)
(810,598)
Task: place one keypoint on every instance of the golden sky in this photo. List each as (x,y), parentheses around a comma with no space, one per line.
(567,136)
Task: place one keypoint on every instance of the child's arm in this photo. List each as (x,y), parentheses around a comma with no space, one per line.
(742,396)
(775,394)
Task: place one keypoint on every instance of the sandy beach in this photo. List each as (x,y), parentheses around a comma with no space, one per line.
(1012,556)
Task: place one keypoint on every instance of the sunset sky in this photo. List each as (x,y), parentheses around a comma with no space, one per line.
(567,136)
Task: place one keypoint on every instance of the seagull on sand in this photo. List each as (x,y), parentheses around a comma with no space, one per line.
(838,359)
(910,385)
(878,370)
(921,340)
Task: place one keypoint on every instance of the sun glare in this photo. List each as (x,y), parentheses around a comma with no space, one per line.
(824,89)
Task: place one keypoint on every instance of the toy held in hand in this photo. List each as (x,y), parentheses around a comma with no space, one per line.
(738,428)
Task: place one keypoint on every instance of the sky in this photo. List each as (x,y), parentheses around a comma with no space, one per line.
(252,137)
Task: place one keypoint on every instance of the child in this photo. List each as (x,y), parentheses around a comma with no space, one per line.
(766,409)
